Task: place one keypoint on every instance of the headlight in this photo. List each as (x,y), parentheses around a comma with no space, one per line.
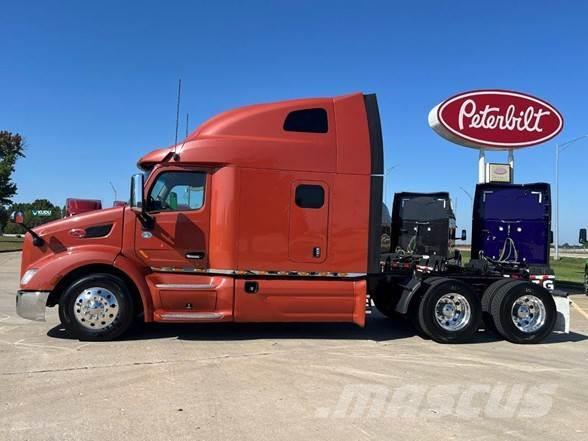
(28,275)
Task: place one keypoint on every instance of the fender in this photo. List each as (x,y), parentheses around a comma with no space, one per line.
(410,289)
(134,272)
(53,267)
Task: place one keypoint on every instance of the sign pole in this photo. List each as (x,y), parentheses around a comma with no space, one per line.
(557,202)
(511,163)
(482,167)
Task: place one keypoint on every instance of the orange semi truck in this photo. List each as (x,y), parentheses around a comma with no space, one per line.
(267,213)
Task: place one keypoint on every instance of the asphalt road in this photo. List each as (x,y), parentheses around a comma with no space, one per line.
(278,382)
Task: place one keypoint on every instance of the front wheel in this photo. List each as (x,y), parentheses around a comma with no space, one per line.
(449,312)
(96,307)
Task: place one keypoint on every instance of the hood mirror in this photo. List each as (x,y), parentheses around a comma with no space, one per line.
(17,217)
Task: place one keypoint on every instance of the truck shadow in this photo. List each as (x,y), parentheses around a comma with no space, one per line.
(378,328)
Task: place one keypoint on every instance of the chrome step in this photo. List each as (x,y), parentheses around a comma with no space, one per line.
(189,316)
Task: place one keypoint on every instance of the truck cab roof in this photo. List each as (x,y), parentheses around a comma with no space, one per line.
(314,135)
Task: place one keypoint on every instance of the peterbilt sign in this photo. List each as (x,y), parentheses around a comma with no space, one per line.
(495,119)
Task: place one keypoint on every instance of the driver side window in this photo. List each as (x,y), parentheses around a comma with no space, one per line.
(177,191)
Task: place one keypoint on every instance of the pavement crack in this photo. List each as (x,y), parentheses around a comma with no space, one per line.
(138,363)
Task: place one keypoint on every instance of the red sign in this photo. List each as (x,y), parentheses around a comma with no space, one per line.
(495,119)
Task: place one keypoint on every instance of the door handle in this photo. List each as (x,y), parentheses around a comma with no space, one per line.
(251,287)
(196,255)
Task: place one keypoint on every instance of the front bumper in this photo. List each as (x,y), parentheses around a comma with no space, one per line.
(31,304)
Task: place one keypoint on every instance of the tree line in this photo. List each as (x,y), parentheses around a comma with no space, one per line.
(12,146)
(36,213)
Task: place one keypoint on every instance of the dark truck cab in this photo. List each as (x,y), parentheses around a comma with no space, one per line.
(423,223)
(512,226)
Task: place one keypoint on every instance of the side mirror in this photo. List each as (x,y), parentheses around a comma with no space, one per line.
(582,237)
(550,237)
(17,217)
(464,235)
(137,203)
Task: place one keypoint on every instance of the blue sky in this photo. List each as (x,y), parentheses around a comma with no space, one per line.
(92,85)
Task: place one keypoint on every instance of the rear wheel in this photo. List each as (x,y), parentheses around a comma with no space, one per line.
(96,307)
(487,297)
(413,309)
(523,312)
(449,311)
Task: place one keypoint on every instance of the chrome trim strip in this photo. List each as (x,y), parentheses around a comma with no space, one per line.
(168,269)
(197,286)
(31,304)
(191,315)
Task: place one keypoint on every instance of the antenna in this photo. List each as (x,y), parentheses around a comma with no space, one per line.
(178,112)
(187,123)
(113,189)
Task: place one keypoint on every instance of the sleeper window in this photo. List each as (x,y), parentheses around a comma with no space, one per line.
(177,191)
(307,120)
(310,196)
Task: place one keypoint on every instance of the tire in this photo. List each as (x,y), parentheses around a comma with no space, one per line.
(97,307)
(534,301)
(460,301)
(487,297)
(386,302)
(413,309)
(430,280)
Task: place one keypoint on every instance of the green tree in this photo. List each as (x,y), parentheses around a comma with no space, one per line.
(11,148)
(3,217)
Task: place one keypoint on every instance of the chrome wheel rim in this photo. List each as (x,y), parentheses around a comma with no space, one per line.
(96,308)
(528,313)
(452,312)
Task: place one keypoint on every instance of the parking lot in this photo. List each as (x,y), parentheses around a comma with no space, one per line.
(274,382)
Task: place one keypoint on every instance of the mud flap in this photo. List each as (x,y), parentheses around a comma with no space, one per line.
(562,306)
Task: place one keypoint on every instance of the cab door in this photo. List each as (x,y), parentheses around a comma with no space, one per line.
(309,221)
(178,238)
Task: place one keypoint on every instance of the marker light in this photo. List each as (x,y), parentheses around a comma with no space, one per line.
(28,275)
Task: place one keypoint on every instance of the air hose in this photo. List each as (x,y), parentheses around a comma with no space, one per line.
(509,250)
